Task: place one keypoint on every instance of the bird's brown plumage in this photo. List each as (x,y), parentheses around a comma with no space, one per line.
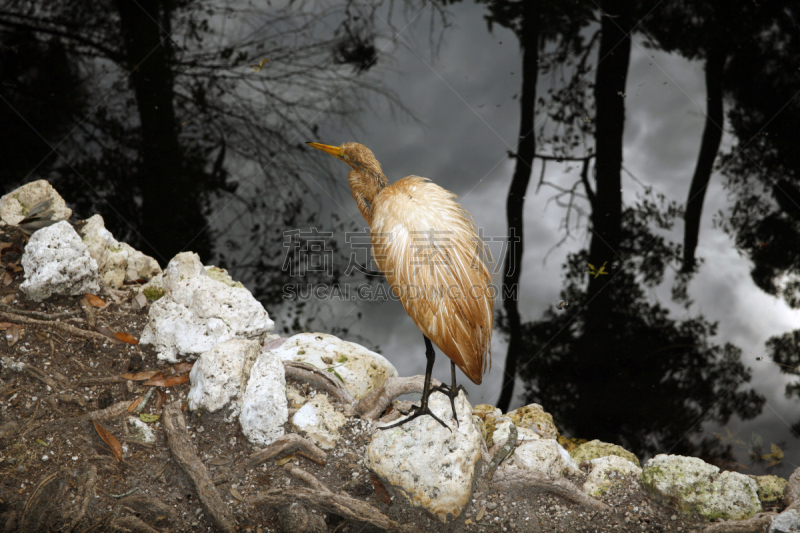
(427,246)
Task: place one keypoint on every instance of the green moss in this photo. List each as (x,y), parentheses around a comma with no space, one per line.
(153,293)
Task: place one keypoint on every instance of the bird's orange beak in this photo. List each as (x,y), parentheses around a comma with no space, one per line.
(335,151)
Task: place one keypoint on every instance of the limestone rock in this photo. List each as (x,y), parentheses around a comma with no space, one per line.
(535,418)
(15,205)
(197,312)
(502,427)
(489,415)
(433,467)
(319,421)
(264,410)
(693,486)
(606,472)
(543,455)
(786,522)
(770,488)
(219,376)
(57,262)
(792,491)
(595,449)
(117,262)
(360,369)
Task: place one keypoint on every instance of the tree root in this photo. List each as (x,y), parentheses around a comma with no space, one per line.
(87,494)
(515,479)
(55,325)
(287,444)
(182,451)
(375,403)
(323,380)
(757,524)
(320,497)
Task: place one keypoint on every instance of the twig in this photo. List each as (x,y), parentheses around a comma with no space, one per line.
(306,477)
(39,314)
(372,405)
(33,497)
(514,479)
(57,325)
(182,451)
(287,443)
(320,379)
(31,371)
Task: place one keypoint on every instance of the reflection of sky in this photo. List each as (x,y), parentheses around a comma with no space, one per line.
(464,99)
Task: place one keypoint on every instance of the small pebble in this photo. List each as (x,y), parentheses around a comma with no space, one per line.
(45,458)
(74,457)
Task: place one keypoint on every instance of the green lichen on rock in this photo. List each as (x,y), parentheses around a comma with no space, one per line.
(153,293)
(695,488)
(488,414)
(221,275)
(596,449)
(534,417)
(770,488)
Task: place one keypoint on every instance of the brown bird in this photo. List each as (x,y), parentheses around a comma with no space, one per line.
(427,246)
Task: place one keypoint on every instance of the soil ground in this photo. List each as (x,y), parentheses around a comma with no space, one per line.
(50,451)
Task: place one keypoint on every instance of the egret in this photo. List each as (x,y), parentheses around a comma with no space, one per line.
(429,249)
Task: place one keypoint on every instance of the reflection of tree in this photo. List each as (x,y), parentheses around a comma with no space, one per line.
(654,379)
(175,139)
(784,350)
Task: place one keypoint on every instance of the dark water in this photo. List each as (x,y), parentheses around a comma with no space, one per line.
(168,121)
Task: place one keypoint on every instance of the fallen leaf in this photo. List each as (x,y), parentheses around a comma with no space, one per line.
(145,417)
(12,334)
(380,491)
(107,332)
(166,381)
(182,368)
(40,442)
(4,325)
(220,461)
(111,440)
(236,494)
(162,397)
(124,337)
(134,404)
(141,376)
(481,513)
(7,278)
(95,300)
(284,460)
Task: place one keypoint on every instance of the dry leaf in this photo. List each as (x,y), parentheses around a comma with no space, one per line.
(164,381)
(141,376)
(284,460)
(111,440)
(134,404)
(182,368)
(380,491)
(124,337)
(107,332)
(12,334)
(236,494)
(94,300)
(481,513)
(162,397)
(220,461)
(4,325)
(6,278)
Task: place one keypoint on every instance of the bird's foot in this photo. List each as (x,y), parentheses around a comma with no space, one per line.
(419,410)
(447,390)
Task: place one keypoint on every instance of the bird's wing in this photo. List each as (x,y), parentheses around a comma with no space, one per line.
(432,255)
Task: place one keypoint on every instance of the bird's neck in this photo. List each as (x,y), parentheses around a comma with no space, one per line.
(365,186)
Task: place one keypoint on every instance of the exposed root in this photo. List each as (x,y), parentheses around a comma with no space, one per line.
(88,483)
(320,497)
(757,524)
(287,444)
(514,479)
(320,379)
(375,403)
(182,451)
(54,325)
(131,524)
(30,371)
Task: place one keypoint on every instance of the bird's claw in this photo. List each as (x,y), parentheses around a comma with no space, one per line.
(419,410)
(447,390)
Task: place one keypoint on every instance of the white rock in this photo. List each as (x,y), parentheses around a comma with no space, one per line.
(15,205)
(117,262)
(198,312)
(57,262)
(361,370)
(693,486)
(144,430)
(786,522)
(606,472)
(431,466)
(264,410)
(544,455)
(319,421)
(219,376)
(502,426)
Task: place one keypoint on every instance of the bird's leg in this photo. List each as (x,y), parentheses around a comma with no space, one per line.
(423,409)
(451,390)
